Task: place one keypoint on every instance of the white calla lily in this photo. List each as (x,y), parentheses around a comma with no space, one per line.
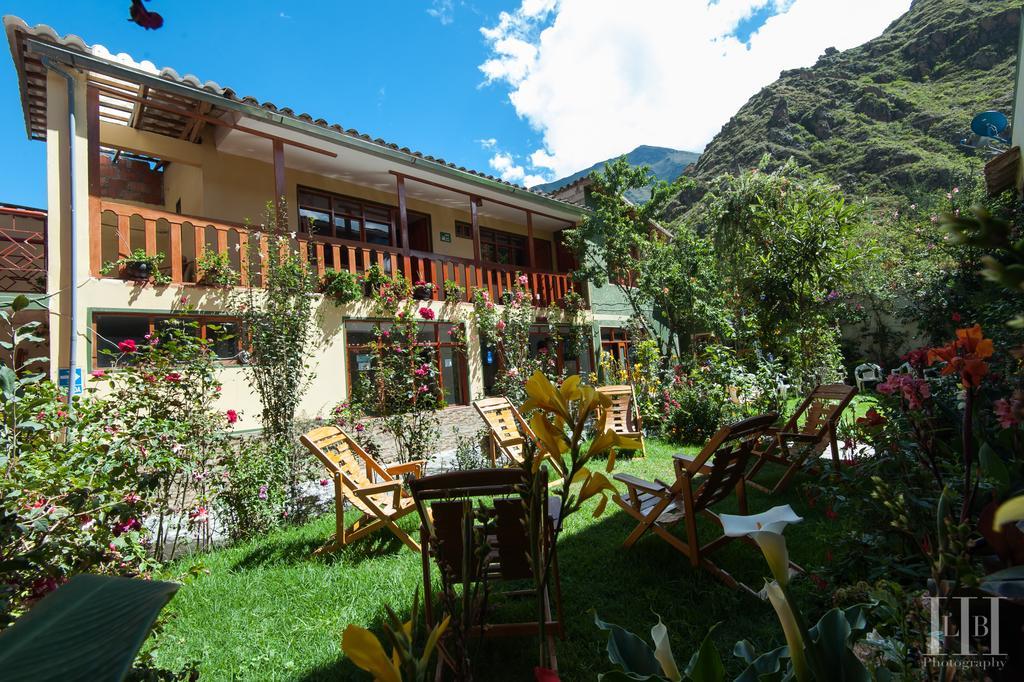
(766,529)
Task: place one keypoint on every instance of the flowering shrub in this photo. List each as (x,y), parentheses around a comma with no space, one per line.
(507,331)
(341,286)
(252,500)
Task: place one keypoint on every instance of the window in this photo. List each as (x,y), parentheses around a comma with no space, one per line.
(549,345)
(435,344)
(110,329)
(615,342)
(503,248)
(463,230)
(336,217)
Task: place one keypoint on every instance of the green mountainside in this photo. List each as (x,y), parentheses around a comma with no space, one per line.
(885,118)
(666,164)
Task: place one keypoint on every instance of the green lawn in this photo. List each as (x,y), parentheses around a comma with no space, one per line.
(269,610)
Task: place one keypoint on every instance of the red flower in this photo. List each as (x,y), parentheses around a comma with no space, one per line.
(871,419)
(965,356)
(955,317)
(126,526)
(173,377)
(828,555)
(127,346)
(232,416)
(426,313)
(818,581)
(830,514)
(545,675)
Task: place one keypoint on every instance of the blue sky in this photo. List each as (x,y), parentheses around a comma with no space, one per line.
(386,67)
(530,90)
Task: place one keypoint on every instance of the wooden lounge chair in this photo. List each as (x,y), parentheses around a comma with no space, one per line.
(498,553)
(624,414)
(657,505)
(373,489)
(509,432)
(806,434)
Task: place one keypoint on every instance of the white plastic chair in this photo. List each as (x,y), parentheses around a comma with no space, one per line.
(868,372)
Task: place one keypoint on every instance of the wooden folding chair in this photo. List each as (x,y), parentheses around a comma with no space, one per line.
(624,413)
(657,505)
(484,508)
(806,434)
(374,490)
(509,432)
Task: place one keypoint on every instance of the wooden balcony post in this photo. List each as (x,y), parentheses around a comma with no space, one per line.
(529,240)
(92,116)
(403,214)
(279,187)
(474,203)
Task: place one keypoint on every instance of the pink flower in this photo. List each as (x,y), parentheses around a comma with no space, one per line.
(426,313)
(490,306)
(127,526)
(263,492)
(424,388)
(360,428)
(199,515)
(173,378)
(1003,410)
(183,299)
(98,373)
(232,416)
(501,325)
(324,482)
(912,389)
(127,346)
(524,280)
(132,498)
(513,372)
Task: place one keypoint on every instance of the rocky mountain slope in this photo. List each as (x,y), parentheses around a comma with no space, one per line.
(885,118)
(666,164)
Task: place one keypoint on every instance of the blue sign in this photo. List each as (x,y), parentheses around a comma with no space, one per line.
(489,358)
(63,379)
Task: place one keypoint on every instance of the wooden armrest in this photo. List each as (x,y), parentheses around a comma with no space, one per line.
(689,462)
(511,442)
(640,484)
(368,490)
(413,467)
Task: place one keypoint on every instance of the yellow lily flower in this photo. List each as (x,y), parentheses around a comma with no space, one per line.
(365,650)
(1011,510)
(543,395)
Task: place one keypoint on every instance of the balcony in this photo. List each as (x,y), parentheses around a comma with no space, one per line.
(121,228)
(22,250)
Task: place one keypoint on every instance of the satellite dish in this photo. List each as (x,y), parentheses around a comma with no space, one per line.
(990,124)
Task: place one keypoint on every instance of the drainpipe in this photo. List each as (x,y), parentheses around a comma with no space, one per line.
(73,335)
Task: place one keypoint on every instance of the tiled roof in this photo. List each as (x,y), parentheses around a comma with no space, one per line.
(15,26)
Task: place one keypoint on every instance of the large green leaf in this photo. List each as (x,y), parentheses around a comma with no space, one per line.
(628,651)
(89,629)
(706,664)
(1007,583)
(831,638)
(764,668)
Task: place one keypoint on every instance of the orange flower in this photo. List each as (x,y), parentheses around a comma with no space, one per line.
(965,356)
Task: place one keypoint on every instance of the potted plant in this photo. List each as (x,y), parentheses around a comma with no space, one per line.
(572,303)
(422,291)
(138,266)
(215,270)
(373,279)
(453,293)
(341,286)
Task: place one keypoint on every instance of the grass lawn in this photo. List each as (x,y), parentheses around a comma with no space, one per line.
(269,610)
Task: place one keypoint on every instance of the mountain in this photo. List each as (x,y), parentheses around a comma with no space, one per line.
(885,118)
(666,164)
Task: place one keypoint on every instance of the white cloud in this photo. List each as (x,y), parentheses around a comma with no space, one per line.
(488,143)
(443,11)
(507,169)
(597,79)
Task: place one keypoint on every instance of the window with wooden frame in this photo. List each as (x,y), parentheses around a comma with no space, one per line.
(615,341)
(503,248)
(110,329)
(549,345)
(333,216)
(463,230)
(435,344)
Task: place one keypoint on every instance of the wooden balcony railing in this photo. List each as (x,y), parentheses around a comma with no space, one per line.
(122,228)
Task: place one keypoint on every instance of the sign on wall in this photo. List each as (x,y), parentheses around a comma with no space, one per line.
(446,236)
(64,376)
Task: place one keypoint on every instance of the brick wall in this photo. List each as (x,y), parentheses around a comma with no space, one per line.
(131,180)
(460,420)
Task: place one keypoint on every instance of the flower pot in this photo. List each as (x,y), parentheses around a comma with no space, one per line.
(422,293)
(139,270)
